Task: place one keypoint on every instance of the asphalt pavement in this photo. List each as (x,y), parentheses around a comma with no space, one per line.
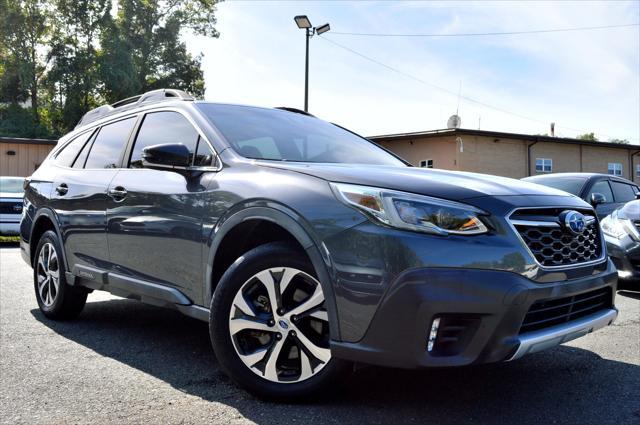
(126,362)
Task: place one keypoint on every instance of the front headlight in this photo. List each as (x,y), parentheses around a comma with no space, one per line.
(617,227)
(412,212)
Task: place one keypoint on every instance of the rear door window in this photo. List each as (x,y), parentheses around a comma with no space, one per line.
(68,153)
(602,187)
(623,192)
(109,143)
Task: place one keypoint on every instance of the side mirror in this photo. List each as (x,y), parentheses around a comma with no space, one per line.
(637,195)
(169,155)
(597,199)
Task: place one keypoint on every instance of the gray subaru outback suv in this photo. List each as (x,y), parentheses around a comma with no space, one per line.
(306,247)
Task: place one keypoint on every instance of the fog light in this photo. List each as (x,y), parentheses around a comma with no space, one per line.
(433,334)
(624,274)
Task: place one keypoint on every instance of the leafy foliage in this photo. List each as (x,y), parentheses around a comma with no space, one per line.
(61,58)
(620,141)
(588,136)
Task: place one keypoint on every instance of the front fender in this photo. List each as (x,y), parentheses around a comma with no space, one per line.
(292,223)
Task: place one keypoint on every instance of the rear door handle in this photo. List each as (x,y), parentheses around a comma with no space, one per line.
(118,193)
(62,189)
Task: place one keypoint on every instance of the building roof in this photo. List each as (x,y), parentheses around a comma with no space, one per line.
(497,135)
(23,141)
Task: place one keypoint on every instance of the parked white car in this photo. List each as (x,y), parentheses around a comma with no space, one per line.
(11,192)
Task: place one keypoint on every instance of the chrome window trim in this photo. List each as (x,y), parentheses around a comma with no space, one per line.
(601,259)
(135,113)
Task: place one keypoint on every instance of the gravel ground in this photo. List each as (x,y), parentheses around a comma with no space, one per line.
(125,362)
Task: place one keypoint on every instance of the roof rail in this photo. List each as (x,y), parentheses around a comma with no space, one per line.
(133,101)
(295,110)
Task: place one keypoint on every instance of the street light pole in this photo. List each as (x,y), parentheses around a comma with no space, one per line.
(306,73)
(303,23)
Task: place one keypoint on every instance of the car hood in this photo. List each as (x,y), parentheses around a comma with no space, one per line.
(453,185)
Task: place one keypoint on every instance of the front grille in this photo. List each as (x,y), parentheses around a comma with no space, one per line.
(546,313)
(551,245)
(12,207)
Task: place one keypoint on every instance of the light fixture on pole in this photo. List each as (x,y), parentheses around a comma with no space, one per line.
(302,21)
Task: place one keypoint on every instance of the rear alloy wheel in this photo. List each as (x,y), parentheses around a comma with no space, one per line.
(56,299)
(48,274)
(279,326)
(269,325)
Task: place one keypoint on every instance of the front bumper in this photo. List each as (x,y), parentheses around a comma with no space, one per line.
(550,337)
(491,304)
(9,227)
(625,254)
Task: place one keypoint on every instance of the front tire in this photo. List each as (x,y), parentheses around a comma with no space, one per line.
(57,300)
(269,326)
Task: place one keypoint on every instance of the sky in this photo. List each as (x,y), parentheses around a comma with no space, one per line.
(584,81)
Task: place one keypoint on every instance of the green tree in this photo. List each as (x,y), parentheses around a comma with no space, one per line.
(588,136)
(73,79)
(620,141)
(150,33)
(24,35)
(68,56)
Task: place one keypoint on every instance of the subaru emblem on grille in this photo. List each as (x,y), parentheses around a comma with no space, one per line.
(573,221)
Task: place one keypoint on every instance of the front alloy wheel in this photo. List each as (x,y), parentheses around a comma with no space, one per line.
(269,325)
(279,326)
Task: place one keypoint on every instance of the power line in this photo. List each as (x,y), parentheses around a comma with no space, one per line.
(481,34)
(437,87)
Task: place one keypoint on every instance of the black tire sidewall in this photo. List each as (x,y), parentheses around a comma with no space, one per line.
(52,238)
(69,300)
(261,258)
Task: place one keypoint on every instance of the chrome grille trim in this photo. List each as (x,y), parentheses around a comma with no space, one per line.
(555,224)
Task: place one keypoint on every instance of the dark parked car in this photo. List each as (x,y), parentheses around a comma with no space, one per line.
(305,246)
(622,233)
(605,192)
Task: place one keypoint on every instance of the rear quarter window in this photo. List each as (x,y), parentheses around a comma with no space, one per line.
(67,155)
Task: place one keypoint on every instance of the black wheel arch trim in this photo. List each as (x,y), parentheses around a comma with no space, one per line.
(51,216)
(292,223)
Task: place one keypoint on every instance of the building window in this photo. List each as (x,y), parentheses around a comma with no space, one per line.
(637,170)
(615,169)
(544,165)
(427,163)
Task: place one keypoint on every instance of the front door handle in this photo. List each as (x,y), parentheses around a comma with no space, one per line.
(62,189)
(118,193)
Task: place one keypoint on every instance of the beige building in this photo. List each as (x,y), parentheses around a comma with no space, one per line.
(512,155)
(21,157)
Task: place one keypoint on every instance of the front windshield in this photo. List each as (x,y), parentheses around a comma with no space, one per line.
(11,185)
(274,134)
(572,185)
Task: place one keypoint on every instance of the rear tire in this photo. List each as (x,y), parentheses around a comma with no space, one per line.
(57,300)
(277,353)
